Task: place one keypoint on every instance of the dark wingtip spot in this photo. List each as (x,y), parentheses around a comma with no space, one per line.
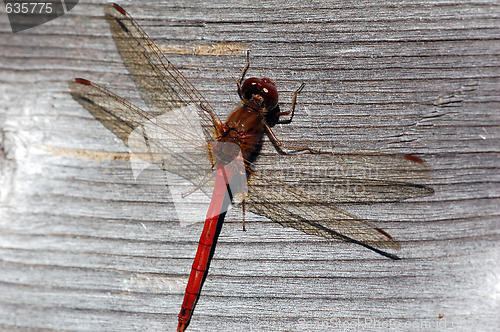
(415,185)
(413,158)
(124,28)
(82,81)
(120,9)
(86,100)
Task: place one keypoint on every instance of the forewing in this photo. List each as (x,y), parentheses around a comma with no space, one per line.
(349,175)
(162,87)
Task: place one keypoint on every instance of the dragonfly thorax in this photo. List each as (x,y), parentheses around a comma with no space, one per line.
(244,127)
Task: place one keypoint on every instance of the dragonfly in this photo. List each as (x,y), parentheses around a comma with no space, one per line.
(182,134)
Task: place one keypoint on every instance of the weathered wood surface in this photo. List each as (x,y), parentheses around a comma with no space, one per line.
(84,247)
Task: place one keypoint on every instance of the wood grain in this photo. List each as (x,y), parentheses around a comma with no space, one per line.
(84,247)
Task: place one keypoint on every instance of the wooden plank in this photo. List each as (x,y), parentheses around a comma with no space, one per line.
(83,247)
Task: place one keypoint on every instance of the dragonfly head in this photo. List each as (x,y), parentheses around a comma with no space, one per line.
(260,91)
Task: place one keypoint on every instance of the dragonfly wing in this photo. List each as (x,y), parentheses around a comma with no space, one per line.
(162,87)
(174,141)
(290,207)
(350,176)
(115,113)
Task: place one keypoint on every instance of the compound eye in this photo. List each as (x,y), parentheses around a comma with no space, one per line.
(268,80)
(261,91)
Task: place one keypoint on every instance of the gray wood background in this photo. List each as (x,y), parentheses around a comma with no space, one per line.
(83,247)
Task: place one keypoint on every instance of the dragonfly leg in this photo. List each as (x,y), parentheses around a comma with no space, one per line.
(243,209)
(280,147)
(291,111)
(243,73)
